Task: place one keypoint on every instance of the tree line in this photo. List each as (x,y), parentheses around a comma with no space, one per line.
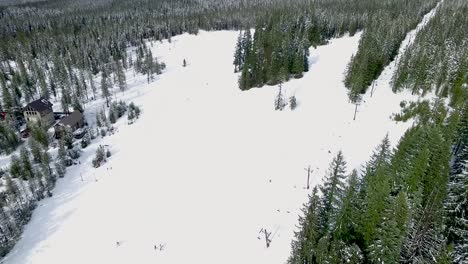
(437,60)
(408,204)
(279,47)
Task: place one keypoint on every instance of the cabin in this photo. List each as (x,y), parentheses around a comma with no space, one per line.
(39,111)
(74,121)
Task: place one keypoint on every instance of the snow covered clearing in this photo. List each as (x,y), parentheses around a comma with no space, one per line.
(207,166)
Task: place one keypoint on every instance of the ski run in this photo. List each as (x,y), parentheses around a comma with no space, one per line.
(208,171)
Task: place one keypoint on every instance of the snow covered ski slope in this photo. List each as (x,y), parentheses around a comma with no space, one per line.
(208,166)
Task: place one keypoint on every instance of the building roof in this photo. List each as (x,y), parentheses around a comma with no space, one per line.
(72,119)
(40,105)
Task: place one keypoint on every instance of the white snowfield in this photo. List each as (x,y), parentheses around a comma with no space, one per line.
(207,166)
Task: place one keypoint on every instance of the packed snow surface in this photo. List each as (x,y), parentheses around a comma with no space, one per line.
(207,166)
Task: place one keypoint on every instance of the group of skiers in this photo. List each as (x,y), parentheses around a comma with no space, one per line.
(159,247)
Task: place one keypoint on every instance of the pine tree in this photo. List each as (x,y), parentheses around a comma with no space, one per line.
(238,53)
(105,87)
(27,170)
(60,169)
(280,101)
(457,213)
(388,239)
(374,204)
(347,217)
(292,102)
(62,154)
(303,246)
(77,106)
(66,99)
(8,138)
(424,242)
(332,193)
(92,84)
(36,150)
(7,101)
(16,171)
(83,84)
(39,134)
(121,80)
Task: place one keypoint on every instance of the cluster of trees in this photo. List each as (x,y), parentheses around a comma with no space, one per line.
(269,57)
(101,156)
(408,205)
(9,140)
(438,58)
(133,112)
(146,64)
(59,50)
(281,40)
(51,47)
(29,178)
(105,121)
(281,101)
(381,40)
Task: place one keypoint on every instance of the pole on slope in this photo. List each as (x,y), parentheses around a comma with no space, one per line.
(309,171)
(355,112)
(267,237)
(372,90)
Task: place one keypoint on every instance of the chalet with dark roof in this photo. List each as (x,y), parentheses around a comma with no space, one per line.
(39,111)
(74,121)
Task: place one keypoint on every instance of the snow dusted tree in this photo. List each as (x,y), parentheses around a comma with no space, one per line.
(77,105)
(62,154)
(39,134)
(98,119)
(121,80)
(7,100)
(92,85)
(105,87)
(27,169)
(292,102)
(66,99)
(8,138)
(36,150)
(60,169)
(424,242)
(280,101)
(13,191)
(131,116)
(134,109)
(16,171)
(45,164)
(332,193)
(238,53)
(457,213)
